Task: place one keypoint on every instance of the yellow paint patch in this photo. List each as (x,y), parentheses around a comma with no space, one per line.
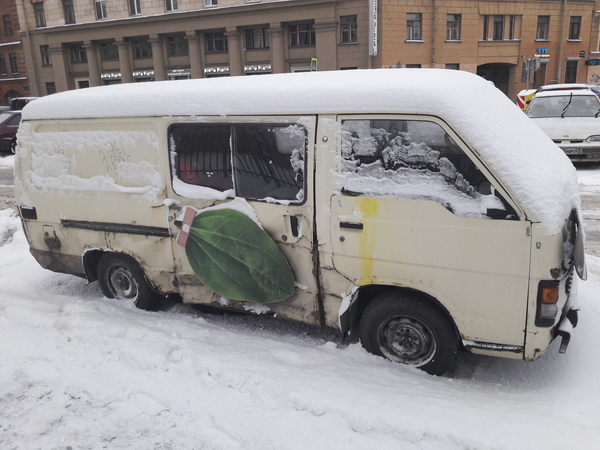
(368,207)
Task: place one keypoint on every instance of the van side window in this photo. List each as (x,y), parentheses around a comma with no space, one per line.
(203,156)
(415,159)
(257,161)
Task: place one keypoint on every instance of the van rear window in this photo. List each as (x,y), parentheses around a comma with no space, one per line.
(256,161)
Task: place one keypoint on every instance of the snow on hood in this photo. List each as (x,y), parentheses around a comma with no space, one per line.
(530,166)
(569,127)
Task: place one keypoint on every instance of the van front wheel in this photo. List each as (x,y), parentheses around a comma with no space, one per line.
(406,329)
(122,278)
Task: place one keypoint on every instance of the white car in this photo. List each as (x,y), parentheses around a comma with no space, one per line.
(571,118)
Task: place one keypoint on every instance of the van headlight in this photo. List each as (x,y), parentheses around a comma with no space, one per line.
(593,138)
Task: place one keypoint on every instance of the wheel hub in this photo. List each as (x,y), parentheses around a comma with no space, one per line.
(123,284)
(407,340)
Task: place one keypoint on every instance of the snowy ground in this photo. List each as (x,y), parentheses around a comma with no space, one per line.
(79,371)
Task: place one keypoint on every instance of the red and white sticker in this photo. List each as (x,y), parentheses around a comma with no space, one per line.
(188,218)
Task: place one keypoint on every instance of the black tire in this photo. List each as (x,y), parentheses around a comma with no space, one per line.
(407,329)
(13,146)
(121,277)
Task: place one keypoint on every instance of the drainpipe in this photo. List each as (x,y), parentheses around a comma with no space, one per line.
(561,44)
(433,47)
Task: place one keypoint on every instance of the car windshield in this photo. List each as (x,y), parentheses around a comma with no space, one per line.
(567,105)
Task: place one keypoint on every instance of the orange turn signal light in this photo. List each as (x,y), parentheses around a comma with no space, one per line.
(550,295)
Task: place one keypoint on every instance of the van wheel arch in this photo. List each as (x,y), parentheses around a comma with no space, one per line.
(412,314)
(111,268)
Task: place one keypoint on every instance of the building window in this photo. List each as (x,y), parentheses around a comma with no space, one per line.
(101,9)
(69,11)
(14,67)
(40,18)
(3,69)
(177,45)
(512,20)
(50,88)
(575,28)
(216,42)
(78,54)
(499,27)
(171,5)
(413,66)
(45,54)
(413,26)
(257,38)
(348,29)
(498,32)
(453,66)
(209,3)
(453,22)
(543,26)
(134,8)
(109,51)
(302,35)
(142,49)
(571,71)
(8,31)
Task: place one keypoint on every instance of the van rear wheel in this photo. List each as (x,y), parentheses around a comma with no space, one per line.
(406,329)
(122,278)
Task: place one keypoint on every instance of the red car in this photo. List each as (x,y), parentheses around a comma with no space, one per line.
(9,124)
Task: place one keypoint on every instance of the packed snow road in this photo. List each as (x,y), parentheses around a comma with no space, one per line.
(80,371)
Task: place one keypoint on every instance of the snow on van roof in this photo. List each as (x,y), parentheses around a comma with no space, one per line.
(528,164)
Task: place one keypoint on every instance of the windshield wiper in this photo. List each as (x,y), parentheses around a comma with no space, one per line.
(562,116)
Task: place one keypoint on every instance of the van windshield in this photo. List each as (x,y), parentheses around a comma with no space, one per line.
(567,105)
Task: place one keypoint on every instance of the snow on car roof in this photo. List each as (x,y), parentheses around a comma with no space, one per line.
(566,93)
(528,164)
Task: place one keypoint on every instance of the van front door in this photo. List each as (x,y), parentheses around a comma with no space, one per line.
(413,210)
(245,187)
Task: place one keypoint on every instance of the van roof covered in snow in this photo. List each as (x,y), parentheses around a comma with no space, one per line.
(529,165)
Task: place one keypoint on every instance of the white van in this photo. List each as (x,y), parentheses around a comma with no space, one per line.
(386,203)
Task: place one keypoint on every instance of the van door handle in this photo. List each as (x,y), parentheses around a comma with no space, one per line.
(352,225)
(294,226)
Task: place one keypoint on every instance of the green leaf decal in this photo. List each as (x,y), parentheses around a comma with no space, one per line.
(238,260)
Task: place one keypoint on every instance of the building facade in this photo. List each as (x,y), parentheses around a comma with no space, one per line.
(493,39)
(77,44)
(13,70)
(71,45)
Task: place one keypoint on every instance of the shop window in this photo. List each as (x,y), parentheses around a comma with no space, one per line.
(177,45)
(256,38)
(142,49)
(216,42)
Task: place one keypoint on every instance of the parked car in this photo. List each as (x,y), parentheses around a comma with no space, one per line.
(571,118)
(18,103)
(9,124)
